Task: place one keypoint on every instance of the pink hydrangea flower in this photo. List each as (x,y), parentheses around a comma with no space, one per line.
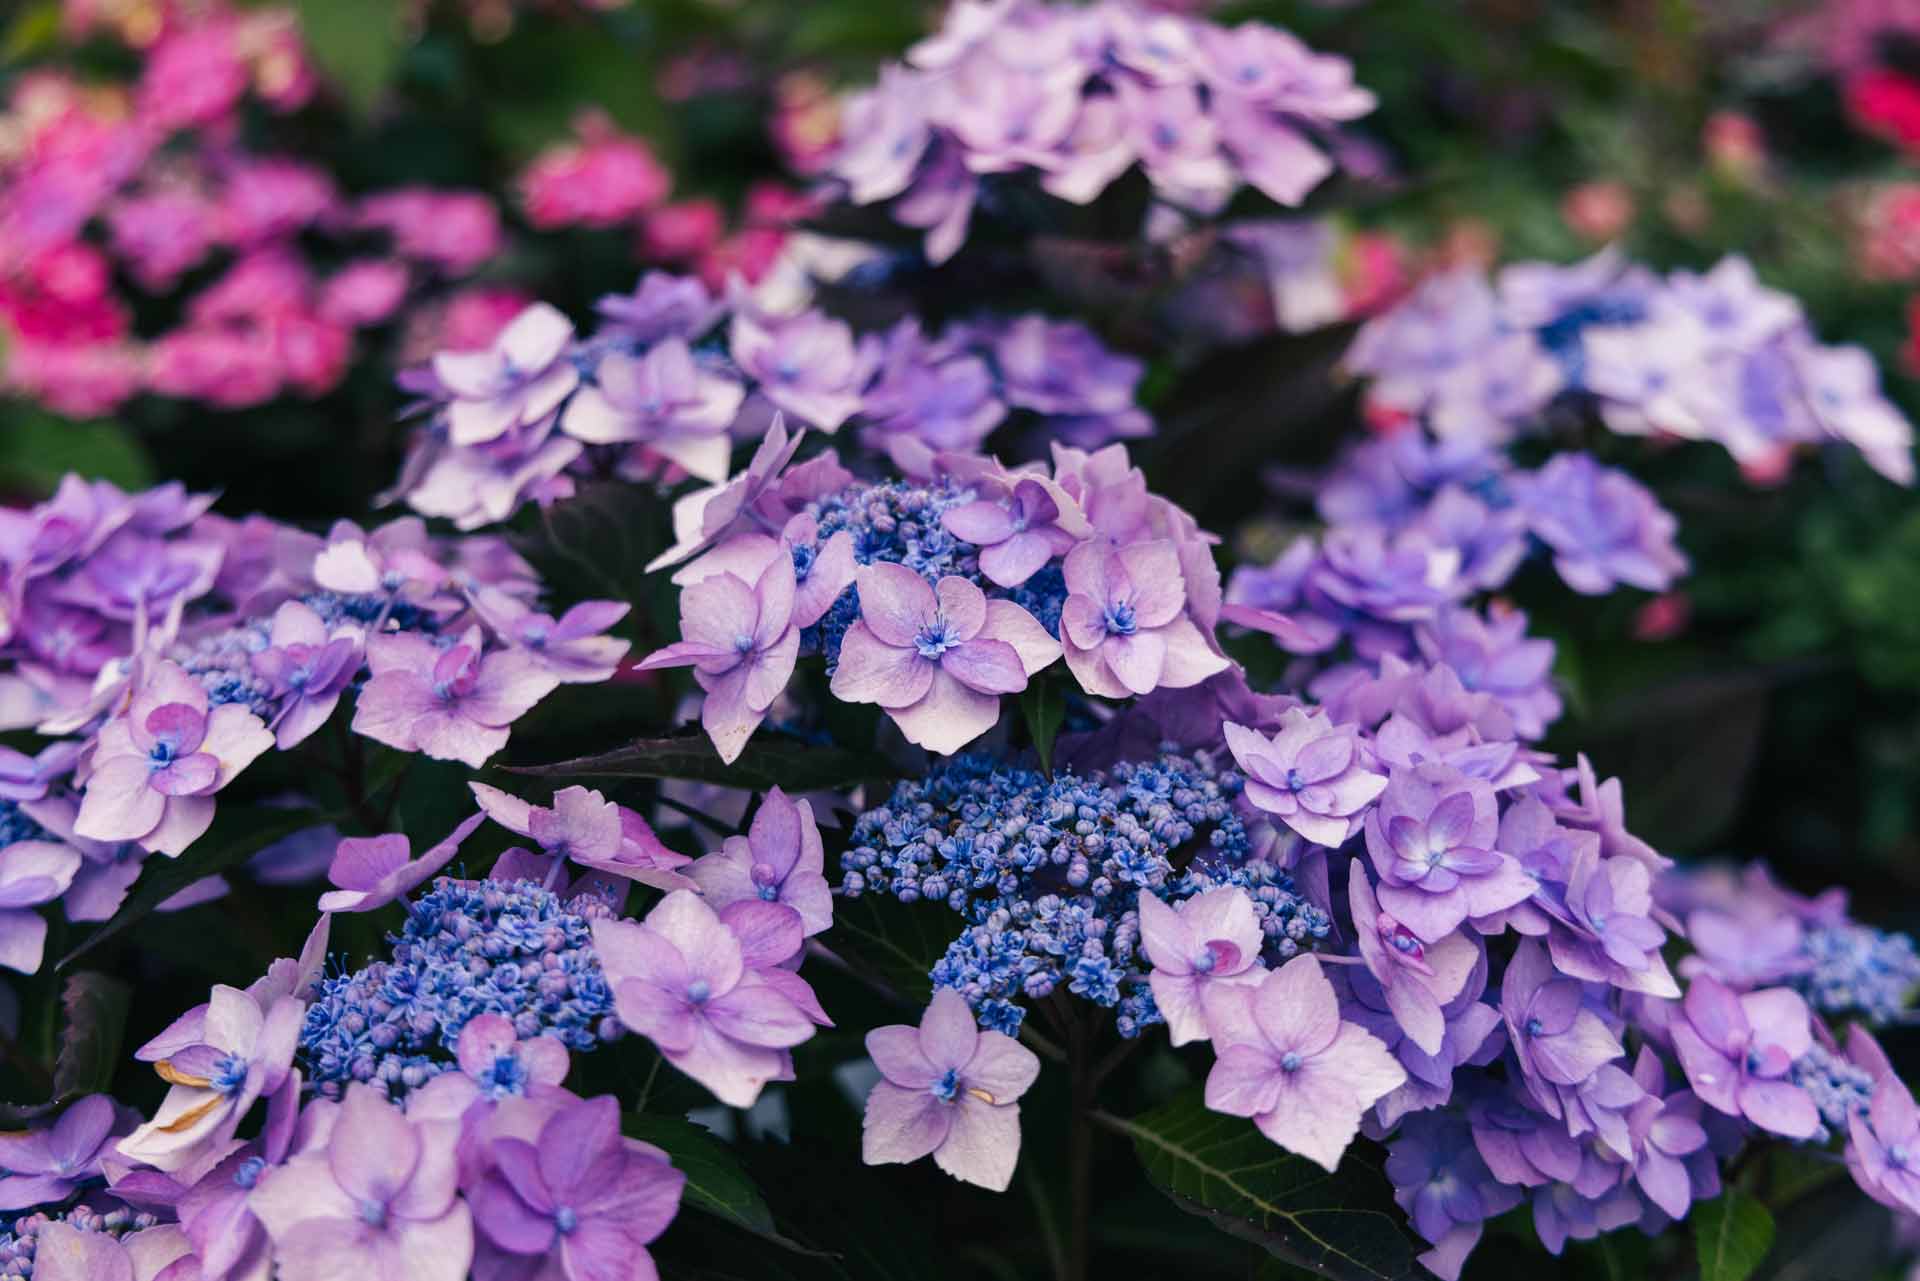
(809,366)
(1288,1060)
(512,384)
(605,179)
(950,1091)
(65,1253)
(1210,938)
(1125,624)
(937,657)
(584,826)
(682,979)
(453,704)
(373,871)
(664,399)
(1312,774)
(307,668)
(1036,523)
(1417,978)
(779,860)
(155,770)
(1738,1051)
(379,1200)
(742,644)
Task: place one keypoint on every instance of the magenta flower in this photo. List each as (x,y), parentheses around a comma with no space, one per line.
(452,704)
(665,400)
(1418,979)
(45,1166)
(1885,1137)
(1288,1060)
(1210,938)
(373,871)
(1558,1040)
(378,1201)
(950,1091)
(779,860)
(809,366)
(306,669)
(519,380)
(1738,1053)
(937,658)
(1431,840)
(1017,537)
(584,826)
(742,644)
(155,770)
(31,873)
(1312,775)
(680,978)
(1125,625)
(243,1051)
(578,1195)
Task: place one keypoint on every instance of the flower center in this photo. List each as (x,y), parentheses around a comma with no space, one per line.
(1294,781)
(249,1172)
(1120,621)
(1536,1028)
(1290,1061)
(947,1087)
(698,991)
(565,1219)
(935,639)
(373,1213)
(743,643)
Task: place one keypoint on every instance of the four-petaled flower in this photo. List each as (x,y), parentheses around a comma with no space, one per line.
(453,704)
(1738,1052)
(1017,537)
(779,860)
(1288,1060)
(1312,775)
(1125,624)
(1210,938)
(948,1090)
(937,657)
(523,377)
(307,669)
(586,827)
(1432,843)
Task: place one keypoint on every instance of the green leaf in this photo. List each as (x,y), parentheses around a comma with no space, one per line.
(716,1184)
(891,942)
(1045,708)
(768,760)
(34,30)
(1731,1234)
(358,44)
(94,1022)
(1225,1170)
(237,835)
(37,449)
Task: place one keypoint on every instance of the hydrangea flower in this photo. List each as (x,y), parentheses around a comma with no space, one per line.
(155,770)
(1017,537)
(47,1165)
(1445,1187)
(1418,979)
(949,1090)
(307,668)
(379,1201)
(1312,774)
(1210,938)
(68,1253)
(32,873)
(1555,1037)
(742,645)
(1125,624)
(1739,1050)
(1432,841)
(809,365)
(571,648)
(373,871)
(584,826)
(683,980)
(1287,1059)
(453,704)
(579,1195)
(779,860)
(937,657)
(665,399)
(1602,526)
(244,1051)
(1884,1137)
(517,381)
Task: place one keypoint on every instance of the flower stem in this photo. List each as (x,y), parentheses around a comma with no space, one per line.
(1080,1149)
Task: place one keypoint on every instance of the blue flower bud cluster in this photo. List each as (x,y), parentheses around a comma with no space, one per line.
(1048,873)
(16,826)
(895,521)
(17,1245)
(468,948)
(1859,969)
(1838,1087)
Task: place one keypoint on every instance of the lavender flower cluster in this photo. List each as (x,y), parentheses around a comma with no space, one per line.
(673,377)
(169,648)
(1075,97)
(1048,874)
(901,606)
(1715,356)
